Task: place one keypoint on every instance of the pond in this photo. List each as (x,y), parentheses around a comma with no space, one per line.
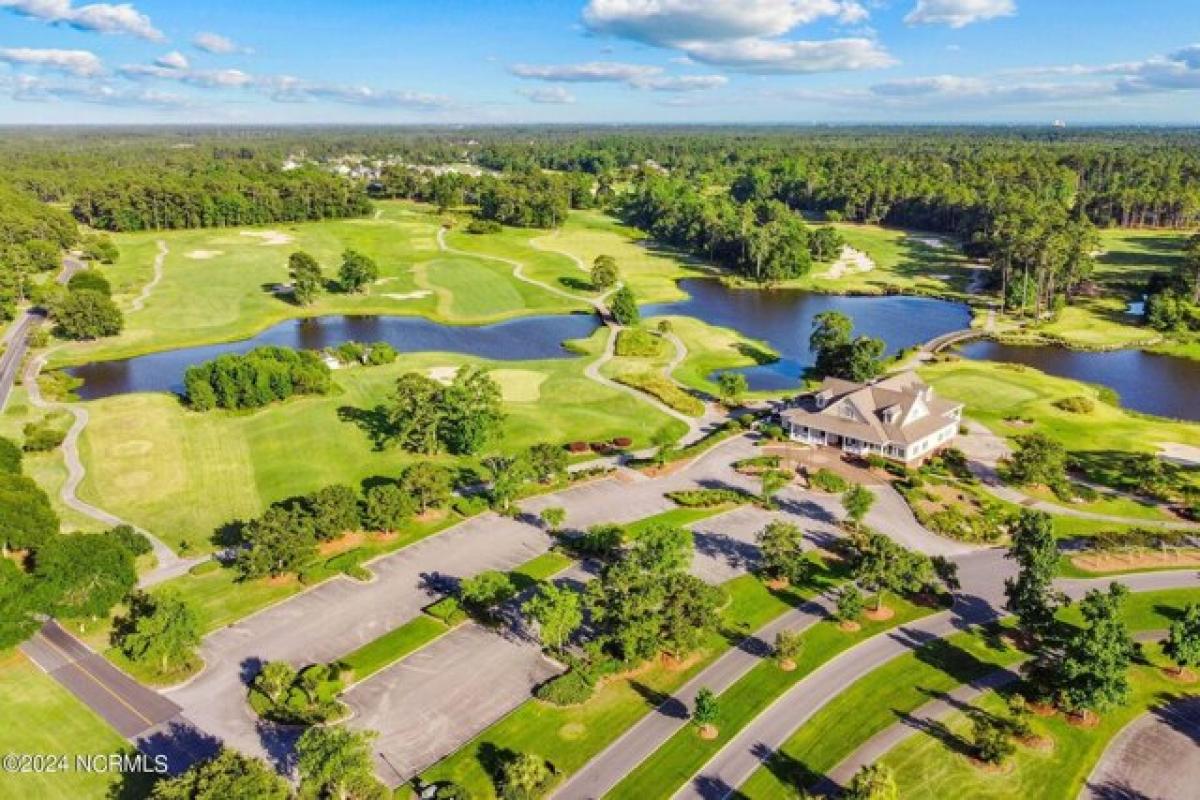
(783,319)
(1165,386)
(527,338)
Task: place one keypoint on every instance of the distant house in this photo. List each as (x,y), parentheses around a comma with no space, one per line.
(896,417)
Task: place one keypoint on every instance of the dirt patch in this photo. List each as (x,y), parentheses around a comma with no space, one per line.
(1142,559)
(572,731)
(417,295)
(849,626)
(341,544)
(778,584)
(1180,674)
(880,614)
(1083,719)
(673,664)
(280,580)
(203,255)
(708,732)
(1184,454)
(850,262)
(270,238)
(787,665)
(431,515)
(988,767)
(1042,744)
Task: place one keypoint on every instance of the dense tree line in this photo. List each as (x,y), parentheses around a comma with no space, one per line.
(1173,301)
(284,538)
(262,376)
(216,198)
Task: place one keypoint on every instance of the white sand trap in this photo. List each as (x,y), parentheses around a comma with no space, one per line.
(851,261)
(203,255)
(942,277)
(929,241)
(1185,454)
(270,238)
(417,295)
(443,374)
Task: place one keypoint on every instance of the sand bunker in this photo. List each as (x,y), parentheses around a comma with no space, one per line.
(929,241)
(851,261)
(1185,454)
(203,255)
(417,295)
(270,238)
(443,374)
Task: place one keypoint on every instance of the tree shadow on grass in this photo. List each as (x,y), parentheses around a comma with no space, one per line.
(373,422)
(789,770)
(577,284)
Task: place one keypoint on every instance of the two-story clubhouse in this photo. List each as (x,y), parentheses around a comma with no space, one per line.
(897,417)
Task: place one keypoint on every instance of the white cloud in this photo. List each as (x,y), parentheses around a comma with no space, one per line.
(777,56)
(959,13)
(97,17)
(204,78)
(216,43)
(75,62)
(671,22)
(742,34)
(591,72)
(285,88)
(637,76)
(549,95)
(173,60)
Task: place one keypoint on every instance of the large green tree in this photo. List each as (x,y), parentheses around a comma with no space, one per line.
(90,574)
(335,763)
(225,776)
(160,629)
(1030,594)
(1093,674)
(307,280)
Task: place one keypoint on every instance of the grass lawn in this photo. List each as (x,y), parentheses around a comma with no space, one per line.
(48,469)
(709,349)
(37,716)
(872,704)
(651,272)
(182,474)
(570,736)
(393,646)
(926,767)
(881,698)
(994,392)
(674,763)
(1128,259)
(216,283)
(905,261)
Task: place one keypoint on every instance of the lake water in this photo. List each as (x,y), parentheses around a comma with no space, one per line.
(527,338)
(782,318)
(1162,385)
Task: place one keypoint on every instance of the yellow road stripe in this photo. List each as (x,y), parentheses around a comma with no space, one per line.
(72,662)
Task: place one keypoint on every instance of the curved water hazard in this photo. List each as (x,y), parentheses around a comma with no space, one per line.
(1165,386)
(783,319)
(525,339)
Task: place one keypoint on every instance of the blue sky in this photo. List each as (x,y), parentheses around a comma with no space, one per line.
(600,61)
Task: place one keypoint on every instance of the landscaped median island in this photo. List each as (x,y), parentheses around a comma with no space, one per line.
(930,765)
(888,694)
(674,763)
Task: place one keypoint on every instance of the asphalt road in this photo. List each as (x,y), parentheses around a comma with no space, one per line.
(17,336)
(1155,757)
(129,707)
(982,578)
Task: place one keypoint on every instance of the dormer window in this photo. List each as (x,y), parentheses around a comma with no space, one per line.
(890,415)
(823,398)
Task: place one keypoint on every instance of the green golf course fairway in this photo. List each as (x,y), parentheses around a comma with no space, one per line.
(181,474)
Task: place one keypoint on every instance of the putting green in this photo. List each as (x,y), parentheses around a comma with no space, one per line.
(519,385)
